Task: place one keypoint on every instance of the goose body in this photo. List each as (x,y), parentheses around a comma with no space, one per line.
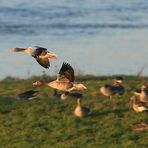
(139,127)
(81,111)
(107,90)
(142,94)
(26,95)
(62,86)
(115,89)
(64,81)
(41,54)
(137,105)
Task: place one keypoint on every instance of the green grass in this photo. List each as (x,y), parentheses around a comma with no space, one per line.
(49,123)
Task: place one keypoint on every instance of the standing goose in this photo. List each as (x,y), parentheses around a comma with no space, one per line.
(117,84)
(137,105)
(64,81)
(115,89)
(81,111)
(143,93)
(39,53)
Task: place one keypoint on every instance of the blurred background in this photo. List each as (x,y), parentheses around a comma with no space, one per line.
(98,37)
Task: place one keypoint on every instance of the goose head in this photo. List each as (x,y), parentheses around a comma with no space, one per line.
(118,80)
(37,83)
(78,101)
(16,49)
(143,87)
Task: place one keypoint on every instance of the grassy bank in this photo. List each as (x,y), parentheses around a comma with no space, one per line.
(49,123)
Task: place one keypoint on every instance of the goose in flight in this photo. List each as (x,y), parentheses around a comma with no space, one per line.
(65,80)
(41,54)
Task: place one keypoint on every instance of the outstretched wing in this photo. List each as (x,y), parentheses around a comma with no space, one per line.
(43,62)
(66,73)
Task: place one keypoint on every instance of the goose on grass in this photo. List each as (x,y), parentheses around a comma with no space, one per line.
(81,111)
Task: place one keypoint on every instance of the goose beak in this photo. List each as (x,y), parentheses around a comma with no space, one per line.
(81,87)
(52,56)
(84,88)
(37,83)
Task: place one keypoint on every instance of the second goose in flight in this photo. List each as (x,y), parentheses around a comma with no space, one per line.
(41,54)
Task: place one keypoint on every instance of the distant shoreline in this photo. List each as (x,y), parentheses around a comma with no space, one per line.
(78,77)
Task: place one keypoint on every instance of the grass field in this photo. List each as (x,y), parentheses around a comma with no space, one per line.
(48,123)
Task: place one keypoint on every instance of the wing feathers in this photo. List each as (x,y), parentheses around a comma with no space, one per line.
(43,62)
(37,51)
(67,71)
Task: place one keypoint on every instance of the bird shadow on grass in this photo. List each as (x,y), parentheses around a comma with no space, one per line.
(118,112)
(6,104)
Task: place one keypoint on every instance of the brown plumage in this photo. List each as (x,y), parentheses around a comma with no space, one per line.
(139,127)
(65,80)
(142,93)
(115,89)
(81,111)
(137,105)
(39,53)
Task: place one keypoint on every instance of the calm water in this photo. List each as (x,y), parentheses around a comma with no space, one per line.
(100,37)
